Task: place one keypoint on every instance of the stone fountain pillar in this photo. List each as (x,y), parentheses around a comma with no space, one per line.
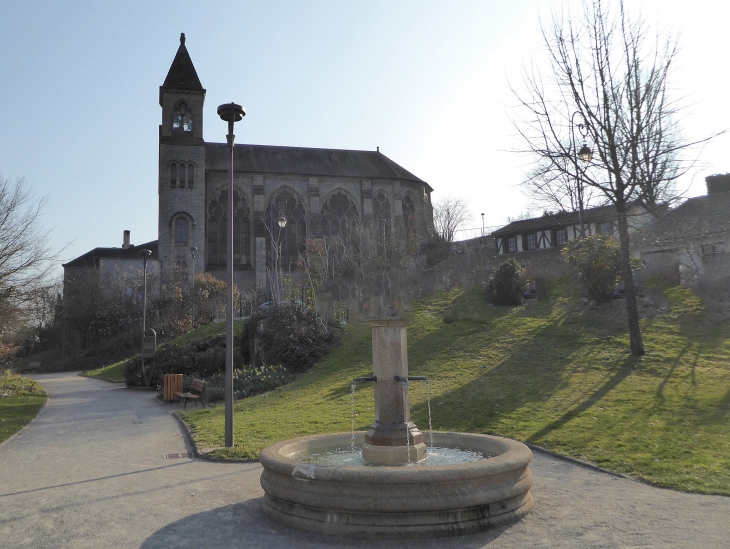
(393,439)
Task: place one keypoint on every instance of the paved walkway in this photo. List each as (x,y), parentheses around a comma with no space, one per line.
(93,470)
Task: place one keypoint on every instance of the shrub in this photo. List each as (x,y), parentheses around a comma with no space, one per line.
(507,285)
(597,260)
(246,382)
(199,358)
(290,336)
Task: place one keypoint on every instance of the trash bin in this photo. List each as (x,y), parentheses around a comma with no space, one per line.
(173,383)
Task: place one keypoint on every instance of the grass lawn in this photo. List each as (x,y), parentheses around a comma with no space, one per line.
(554,373)
(21,399)
(115,371)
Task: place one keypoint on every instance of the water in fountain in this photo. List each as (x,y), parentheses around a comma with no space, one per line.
(345,457)
(352,407)
(428,400)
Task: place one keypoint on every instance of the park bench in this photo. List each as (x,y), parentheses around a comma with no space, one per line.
(32,368)
(195,393)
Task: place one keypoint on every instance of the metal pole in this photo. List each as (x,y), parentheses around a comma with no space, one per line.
(231,113)
(144,311)
(145,254)
(192,319)
(229,296)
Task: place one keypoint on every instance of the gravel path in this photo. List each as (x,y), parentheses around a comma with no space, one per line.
(95,470)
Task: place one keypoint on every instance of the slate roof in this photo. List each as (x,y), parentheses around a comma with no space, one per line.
(307,161)
(557,220)
(699,218)
(182,74)
(91,259)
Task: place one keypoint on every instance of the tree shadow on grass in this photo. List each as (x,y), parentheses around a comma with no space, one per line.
(626,369)
(533,369)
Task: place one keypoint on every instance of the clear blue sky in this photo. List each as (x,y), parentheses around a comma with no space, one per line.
(427,81)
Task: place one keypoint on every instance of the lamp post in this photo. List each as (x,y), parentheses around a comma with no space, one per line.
(586,155)
(231,113)
(145,253)
(482,224)
(280,203)
(193,250)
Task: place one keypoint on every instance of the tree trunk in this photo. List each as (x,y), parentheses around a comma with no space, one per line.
(637,345)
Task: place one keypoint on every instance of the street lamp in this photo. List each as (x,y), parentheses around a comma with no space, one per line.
(585,154)
(482,224)
(145,253)
(231,113)
(192,252)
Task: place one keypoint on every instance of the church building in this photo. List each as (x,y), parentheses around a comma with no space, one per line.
(317,190)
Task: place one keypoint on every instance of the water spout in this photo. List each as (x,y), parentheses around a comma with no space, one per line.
(371,378)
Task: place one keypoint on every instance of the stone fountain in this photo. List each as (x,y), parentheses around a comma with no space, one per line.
(396,496)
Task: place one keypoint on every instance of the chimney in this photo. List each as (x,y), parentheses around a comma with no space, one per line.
(719,183)
(125,243)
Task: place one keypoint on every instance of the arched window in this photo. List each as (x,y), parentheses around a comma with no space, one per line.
(181,231)
(182,118)
(409,220)
(178,173)
(338,213)
(381,209)
(217,230)
(290,241)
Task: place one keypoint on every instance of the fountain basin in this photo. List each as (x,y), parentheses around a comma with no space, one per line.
(397,502)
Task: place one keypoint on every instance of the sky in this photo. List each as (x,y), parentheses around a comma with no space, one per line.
(429,82)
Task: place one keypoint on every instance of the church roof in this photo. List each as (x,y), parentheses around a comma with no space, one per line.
(307,161)
(182,75)
(599,213)
(91,259)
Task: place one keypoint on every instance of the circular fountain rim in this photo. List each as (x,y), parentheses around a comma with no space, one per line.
(507,456)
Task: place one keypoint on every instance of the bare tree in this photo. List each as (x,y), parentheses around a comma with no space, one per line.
(25,257)
(607,68)
(449,215)
(556,190)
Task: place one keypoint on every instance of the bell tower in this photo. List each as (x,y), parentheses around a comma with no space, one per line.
(181,189)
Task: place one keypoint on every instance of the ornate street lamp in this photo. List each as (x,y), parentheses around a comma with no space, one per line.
(231,113)
(585,154)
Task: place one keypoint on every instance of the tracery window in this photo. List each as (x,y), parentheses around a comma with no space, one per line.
(338,213)
(181,231)
(409,218)
(290,240)
(381,209)
(216,237)
(182,118)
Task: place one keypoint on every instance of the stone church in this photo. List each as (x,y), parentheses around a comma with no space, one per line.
(318,191)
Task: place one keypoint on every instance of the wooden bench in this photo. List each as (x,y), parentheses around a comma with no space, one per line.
(32,368)
(195,393)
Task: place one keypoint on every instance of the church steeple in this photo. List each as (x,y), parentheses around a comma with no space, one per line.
(182,75)
(181,98)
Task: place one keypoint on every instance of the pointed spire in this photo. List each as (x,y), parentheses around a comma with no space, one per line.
(182,74)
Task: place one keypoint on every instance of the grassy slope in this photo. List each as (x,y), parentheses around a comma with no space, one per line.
(115,371)
(549,373)
(20,401)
